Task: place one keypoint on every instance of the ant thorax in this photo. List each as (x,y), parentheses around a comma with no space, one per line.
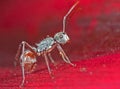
(45,44)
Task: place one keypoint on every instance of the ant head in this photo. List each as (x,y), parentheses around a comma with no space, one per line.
(61,37)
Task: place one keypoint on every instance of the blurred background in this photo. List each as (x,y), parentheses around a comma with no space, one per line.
(94,27)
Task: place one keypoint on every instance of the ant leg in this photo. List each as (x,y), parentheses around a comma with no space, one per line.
(47,63)
(64,56)
(51,59)
(32,49)
(21,57)
(23,75)
(22,65)
(17,55)
(19,50)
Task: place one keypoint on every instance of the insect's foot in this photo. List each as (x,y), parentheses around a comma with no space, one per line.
(52,76)
(55,65)
(74,65)
(21,85)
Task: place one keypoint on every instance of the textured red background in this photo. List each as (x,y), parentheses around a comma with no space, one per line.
(94,31)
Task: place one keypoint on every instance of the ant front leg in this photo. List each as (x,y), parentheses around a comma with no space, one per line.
(64,56)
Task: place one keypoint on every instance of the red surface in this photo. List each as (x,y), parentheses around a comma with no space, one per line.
(95,73)
(95,37)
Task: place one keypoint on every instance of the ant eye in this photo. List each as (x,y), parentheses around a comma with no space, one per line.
(61,36)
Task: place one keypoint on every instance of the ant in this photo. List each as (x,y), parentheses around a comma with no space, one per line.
(29,53)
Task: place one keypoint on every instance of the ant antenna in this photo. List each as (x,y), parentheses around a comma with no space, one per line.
(64,19)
